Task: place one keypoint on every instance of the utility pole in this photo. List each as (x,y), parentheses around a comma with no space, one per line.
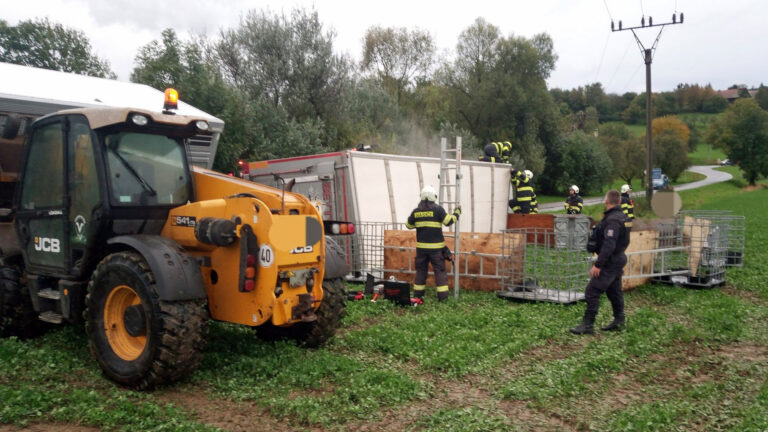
(648,59)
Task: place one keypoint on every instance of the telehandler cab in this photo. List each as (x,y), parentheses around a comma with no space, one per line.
(105,222)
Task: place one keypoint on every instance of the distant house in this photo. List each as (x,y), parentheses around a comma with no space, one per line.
(733,94)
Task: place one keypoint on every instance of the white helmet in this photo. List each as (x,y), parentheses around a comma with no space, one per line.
(528,173)
(429,194)
(575,188)
(625,188)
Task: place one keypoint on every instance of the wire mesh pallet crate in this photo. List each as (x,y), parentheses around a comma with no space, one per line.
(539,266)
(736,229)
(701,252)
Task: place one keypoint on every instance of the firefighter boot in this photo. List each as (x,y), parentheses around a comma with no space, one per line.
(587,325)
(442,296)
(618,324)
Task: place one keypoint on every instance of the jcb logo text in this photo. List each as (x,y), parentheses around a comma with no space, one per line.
(45,244)
(301,250)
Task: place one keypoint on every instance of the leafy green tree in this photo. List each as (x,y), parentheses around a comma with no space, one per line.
(635,112)
(288,61)
(626,152)
(591,120)
(371,113)
(742,132)
(670,153)
(397,56)
(585,163)
(47,45)
(497,90)
(664,103)
(254,129)
(762,97)
(715,103)
(744,93)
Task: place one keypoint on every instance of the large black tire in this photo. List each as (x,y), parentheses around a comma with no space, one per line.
(314,334)
(17,316)
(160,342)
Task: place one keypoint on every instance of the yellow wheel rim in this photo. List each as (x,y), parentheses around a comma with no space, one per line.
(126,347)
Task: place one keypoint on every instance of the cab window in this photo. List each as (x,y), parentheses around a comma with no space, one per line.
(44,173)
(146,170)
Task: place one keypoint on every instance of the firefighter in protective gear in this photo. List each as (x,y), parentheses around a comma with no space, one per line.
(525,197)
(428,219)
(505,151)
(496,152)
(627,205)
(610,239)
(490,153)
(574,204)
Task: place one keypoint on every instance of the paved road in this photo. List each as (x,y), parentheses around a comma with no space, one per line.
(713,177)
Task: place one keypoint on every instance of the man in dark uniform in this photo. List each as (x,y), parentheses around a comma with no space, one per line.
(610,240)
(574,204)
(428,218)
(627,205)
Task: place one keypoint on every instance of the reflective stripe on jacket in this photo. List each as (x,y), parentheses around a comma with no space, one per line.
(428,219)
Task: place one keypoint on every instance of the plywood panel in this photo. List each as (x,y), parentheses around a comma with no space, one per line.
(371,190)
(640,263)
(697,230)
(486,243)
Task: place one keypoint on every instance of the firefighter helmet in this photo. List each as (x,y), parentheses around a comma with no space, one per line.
(625,188)
(529,174)
(575,188)
(428,194)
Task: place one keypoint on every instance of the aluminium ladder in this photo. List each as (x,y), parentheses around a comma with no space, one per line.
(450,181)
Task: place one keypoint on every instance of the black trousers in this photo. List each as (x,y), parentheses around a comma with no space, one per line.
(609,282)
(422,261)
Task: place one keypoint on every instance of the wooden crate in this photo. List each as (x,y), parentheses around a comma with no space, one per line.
(485,243)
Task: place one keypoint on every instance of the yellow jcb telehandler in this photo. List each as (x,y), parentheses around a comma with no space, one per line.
(107,222)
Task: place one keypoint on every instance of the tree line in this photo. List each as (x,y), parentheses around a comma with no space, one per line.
(282,91)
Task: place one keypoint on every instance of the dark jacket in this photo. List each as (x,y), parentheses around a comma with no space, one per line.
(574,204)
(491,153)
(525,198)
(612,240)
(627,206)
(428,218)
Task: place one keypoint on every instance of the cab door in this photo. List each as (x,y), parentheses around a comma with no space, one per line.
(41,218)
(84,194)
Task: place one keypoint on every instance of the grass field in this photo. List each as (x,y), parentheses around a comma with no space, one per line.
(705,154)
(689,360)
(637,130)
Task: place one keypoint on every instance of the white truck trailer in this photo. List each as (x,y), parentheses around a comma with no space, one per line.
(30,92)
(363,187)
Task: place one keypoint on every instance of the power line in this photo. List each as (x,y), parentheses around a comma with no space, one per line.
(609,12)
(602,56)
(648,59)
(631,78)
(629,45)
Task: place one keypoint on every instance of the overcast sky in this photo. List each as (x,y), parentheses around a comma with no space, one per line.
(721,42)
